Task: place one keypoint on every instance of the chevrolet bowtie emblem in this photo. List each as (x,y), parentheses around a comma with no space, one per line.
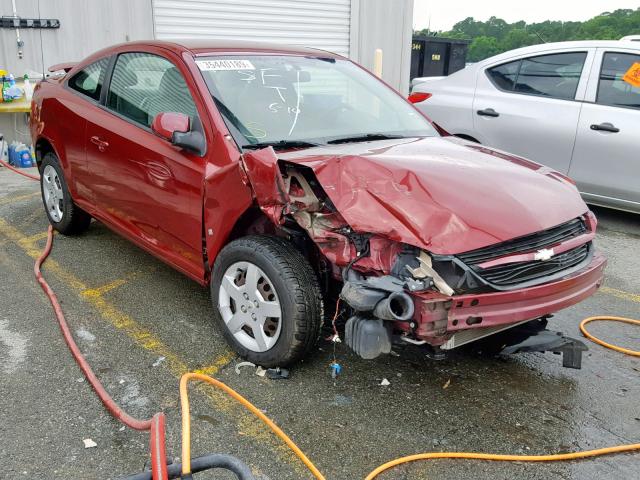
(544,254)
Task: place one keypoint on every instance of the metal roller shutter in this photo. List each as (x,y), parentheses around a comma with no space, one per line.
(321,24)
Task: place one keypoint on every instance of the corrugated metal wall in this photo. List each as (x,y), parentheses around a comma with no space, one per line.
(384,24)
(321,24)
(86,26)
(354,28)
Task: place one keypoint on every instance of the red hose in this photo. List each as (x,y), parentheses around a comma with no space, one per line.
(157,423)
(24,174)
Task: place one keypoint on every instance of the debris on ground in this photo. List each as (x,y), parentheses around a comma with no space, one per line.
(336,368)
(261,372)
(85,335)
(385,382)
(446,385)
(88,443)
(242,365)
(158,362)
(278,373)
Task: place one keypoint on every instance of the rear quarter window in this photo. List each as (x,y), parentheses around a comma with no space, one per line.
(89,80)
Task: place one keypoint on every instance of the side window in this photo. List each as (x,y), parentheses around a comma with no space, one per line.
(555,75)
(88,81)
(504,76)
(613,89)
(143,85)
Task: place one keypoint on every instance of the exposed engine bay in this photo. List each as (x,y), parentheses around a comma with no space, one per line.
(392,290)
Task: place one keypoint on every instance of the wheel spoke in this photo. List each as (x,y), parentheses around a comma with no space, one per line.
(261,338)
(270,309)
(236,322)
(232,289)
(251,279)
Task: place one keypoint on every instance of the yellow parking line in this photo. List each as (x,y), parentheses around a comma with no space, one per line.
(30,249)
(633,297)
(148,341)
(30,241)
(119,282)
(216,365)
(19,198)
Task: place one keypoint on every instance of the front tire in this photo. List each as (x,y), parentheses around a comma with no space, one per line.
(266,300)
(64,215)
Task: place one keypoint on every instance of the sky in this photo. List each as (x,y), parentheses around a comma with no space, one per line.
(444,14)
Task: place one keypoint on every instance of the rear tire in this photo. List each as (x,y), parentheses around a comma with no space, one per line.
(266,300)
(64,215)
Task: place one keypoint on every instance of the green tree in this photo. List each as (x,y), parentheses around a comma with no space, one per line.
(495,35)
(483,47)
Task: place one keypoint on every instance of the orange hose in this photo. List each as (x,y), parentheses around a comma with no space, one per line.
(503,458)
(186,425)
(186,422)
(603,318)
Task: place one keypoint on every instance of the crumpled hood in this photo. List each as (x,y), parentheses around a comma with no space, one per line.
(445,195)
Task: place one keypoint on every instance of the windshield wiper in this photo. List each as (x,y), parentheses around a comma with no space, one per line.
(281,144)
(365,138)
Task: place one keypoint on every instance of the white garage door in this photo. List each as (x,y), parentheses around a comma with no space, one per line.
(312,23)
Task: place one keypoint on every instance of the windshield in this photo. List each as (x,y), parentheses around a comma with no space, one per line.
(300,101)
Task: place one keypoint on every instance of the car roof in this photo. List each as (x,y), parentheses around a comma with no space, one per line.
(547,47)
(204,46)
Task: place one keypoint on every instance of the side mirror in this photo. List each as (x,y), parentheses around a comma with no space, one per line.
(177,129)
(167,124)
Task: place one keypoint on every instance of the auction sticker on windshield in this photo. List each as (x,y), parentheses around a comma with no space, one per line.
(227,64)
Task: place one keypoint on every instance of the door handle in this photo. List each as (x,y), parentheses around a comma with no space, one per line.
(488,112)
(605,127)
(101,144)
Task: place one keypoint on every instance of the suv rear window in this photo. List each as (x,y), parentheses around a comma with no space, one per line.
(89,80)
(612,88)
(555,75)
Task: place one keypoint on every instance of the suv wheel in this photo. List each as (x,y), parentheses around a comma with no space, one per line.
(267,300)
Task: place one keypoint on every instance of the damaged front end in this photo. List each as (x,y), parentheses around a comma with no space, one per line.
(393,291)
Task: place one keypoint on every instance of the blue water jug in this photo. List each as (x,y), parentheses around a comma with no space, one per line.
(24,157)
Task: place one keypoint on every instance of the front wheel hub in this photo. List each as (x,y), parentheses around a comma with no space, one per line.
(250,307)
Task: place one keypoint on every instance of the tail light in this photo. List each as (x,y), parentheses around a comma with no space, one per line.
(417,97)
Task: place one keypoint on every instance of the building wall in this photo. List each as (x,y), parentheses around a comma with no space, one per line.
(85,26)
(88,25)
(384,24)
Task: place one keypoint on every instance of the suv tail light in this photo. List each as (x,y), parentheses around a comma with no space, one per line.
(418,97)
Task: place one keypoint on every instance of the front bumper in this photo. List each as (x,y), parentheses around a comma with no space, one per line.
(439,317)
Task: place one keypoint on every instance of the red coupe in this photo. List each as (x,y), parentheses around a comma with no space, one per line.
(291,180)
